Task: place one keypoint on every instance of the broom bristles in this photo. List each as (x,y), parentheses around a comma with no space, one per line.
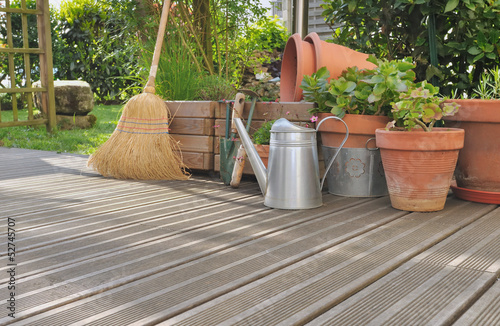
(141,147)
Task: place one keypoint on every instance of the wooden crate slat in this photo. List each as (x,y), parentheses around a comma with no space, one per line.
(192,109)
(220,126)
(198,161)
(192,126)
(293,111)
(194,143)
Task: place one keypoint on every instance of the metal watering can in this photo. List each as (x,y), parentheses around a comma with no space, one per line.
(292,179)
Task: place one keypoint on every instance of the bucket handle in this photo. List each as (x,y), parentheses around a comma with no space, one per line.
(371,148)
(330,163)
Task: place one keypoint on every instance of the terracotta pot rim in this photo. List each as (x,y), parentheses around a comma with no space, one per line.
(297,55)
(420,131)
(349,115)
(314,39)
(476,110)
(355,122)
(419,140)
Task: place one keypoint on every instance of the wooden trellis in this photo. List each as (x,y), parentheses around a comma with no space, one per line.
(44,51)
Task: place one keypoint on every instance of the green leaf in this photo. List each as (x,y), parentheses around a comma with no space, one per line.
(330,103)
(455,45)
(450,5)
(322,73)
(373,98)
(491,56)
(427,115)
(375,80)
(338,112)
(352,5)
(478,57)
(350,87)
(432,71)
(379,89)
(474,50)
(373,59)
(488,48)
(404,66)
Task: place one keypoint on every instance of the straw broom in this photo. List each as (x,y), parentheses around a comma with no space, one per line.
(141,146)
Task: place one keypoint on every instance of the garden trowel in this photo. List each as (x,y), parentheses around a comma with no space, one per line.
(229,145)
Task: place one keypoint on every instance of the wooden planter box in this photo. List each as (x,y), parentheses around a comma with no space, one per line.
(193,126)
(199,125)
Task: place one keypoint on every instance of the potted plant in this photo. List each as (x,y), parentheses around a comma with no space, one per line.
(477,175)
(261,138)
(362,98)
(419,159)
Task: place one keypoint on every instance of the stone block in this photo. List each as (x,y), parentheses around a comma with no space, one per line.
(66,122)
(72,97)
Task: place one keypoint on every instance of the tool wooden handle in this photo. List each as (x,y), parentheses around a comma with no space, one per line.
(239,104)
(150,85)
(239,164)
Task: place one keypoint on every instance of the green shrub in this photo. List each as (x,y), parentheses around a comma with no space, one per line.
(214,88)
(93,42)
(466,35)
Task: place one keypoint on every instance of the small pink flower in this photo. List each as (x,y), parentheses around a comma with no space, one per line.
(216,126)
(287,112)
(314,118)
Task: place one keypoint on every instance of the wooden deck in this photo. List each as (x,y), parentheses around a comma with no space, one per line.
(97,251)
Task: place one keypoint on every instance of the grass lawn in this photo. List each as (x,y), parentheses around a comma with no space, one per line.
(79,141)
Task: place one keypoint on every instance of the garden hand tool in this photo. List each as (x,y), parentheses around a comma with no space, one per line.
(239,164)
(229,145)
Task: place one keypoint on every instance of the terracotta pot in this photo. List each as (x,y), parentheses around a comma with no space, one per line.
(263,151)
(336,58)
(361,130)
(419,166)
(306,57)
(479,161)
(298,60)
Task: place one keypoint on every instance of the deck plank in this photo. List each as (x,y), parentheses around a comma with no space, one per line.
(294,296)
(433,288)
(100,251)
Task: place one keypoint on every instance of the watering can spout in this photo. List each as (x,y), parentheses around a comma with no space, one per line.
(258,166)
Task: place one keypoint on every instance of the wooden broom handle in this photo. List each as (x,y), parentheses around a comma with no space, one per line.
(150,86)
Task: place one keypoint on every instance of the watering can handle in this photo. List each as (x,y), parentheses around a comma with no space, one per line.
(330,163)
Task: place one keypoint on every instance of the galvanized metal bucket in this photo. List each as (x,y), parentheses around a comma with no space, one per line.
(357,172)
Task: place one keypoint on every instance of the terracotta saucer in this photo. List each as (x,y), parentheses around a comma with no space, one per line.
(486,197)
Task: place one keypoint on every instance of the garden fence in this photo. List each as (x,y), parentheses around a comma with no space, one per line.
(44,51)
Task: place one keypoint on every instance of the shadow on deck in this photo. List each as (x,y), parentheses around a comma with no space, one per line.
(97,251)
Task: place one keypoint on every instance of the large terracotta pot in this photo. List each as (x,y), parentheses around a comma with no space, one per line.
(361,130)
(298,60)
(306,57)
(419,166)
(336,58)
(478,166)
